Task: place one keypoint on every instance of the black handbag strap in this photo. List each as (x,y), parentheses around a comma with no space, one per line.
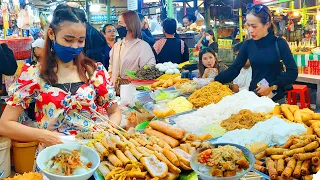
(279,56)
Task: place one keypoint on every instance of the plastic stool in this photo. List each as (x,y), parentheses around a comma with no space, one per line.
(303,93)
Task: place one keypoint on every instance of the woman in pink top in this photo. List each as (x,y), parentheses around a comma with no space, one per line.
(131,53)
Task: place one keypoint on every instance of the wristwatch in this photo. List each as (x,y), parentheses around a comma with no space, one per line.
(274,87)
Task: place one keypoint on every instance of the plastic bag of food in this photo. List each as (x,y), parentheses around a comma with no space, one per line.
(202,81)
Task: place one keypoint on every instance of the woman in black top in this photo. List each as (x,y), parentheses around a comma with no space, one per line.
(263,56)
(208,40)
(8,62)
(171,48)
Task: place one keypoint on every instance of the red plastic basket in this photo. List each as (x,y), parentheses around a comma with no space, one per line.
(21,47)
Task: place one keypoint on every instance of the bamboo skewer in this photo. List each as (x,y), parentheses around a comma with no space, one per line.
(107,120)
(90,120)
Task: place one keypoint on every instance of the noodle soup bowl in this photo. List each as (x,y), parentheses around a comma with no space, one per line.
(86,154)
(204,171)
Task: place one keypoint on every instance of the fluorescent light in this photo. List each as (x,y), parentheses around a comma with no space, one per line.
(178,9)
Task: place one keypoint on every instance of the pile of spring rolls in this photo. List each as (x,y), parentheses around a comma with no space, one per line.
(159,153)
(294,114)
(298,158)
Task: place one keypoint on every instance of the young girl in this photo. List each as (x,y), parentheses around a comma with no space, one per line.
(209,66)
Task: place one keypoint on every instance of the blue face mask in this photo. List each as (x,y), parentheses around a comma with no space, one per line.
(66,54)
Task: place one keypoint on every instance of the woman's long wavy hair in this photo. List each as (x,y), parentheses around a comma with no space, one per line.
(49,64)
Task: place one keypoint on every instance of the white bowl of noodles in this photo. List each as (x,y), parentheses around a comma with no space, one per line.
(84,162)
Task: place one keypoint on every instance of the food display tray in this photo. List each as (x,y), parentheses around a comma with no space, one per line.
(171,119)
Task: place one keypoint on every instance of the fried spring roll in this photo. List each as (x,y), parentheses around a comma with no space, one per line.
(305,156)
(317,130)
(287,113)
(309,177)
(260,168)
(275,151)
(297,170)
(108,164)
(184,147)
(280,166)
(315,161)
(136,153)
(261,155)
(122,157)
(310,131)
(277,110)
(103,169)
(141,142)
(260,163)
(312,137)
(297,116)
(171,167)
(277,157)
(101,149)
(286,174)
(300,144)
(130,156)
(294,151)
(157,147)
(171,156)
(305,167)
(143,151)
(115,160)
(192,150)
(134,142)
(273,174)
(288,143)
(312,146)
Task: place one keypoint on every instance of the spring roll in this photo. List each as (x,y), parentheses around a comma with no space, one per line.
(310,131)
(101,149)
(130,156)
(115,161)
(151,147)
(286,174)
(261,155)
(260,163)
(309,177)
(317,130)
(108,164)
(273,174)
(196,144)
(171,156)
(134,142)
(277,110)
(275,151)
(260,168)
(288,143)
(301,144)
(136,153)
(316,168)
(311,137)
(157,147)
(141,142)
(103,169)
(171,167)
(143,151)
(305,167)
(297,116)
(168,139)
(315,161)
(297,170)
(294,151)
(277,157)
(280,166)
(108,144)
(316,116)
(122,157)
(312,146)
(287,113)
(305,156)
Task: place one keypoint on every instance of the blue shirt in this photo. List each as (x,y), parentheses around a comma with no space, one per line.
(106,57)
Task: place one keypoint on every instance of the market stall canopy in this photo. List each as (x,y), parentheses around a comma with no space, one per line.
(45,5)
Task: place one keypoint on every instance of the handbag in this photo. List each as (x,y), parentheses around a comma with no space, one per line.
(284,69)
(120,81)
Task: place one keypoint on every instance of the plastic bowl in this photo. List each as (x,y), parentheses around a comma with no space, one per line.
(169,94)
(246,152)
(45,155)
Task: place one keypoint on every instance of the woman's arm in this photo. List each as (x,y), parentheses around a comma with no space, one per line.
(291,73)
(9,127)
(114,113)
(8,62)
(233,71)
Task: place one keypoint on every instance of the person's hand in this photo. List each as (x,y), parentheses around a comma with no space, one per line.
(215,71)
(235,88)
(207,71)
(50,138)
(264,90)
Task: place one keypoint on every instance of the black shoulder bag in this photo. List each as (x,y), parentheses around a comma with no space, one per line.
(284,69)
